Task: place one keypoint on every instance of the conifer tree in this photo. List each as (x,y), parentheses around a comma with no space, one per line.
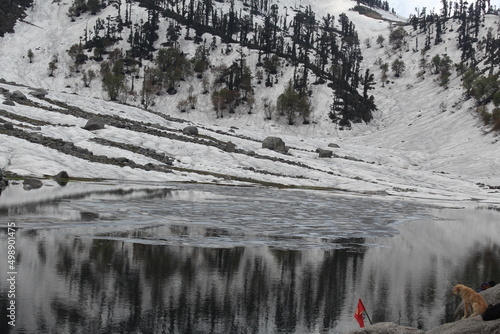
(398,67)
(31,55)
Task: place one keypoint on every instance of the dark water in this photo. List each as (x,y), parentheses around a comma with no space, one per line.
(207,259)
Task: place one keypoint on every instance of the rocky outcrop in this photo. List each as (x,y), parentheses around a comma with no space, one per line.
(387,328)
(474,325)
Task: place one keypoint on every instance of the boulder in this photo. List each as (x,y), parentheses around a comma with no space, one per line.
(29,184)
(9,103)
(95,123)
(62,178)
(324,153)
(333,145)
(8,126)
(62,175)
(230,147)
(88,216)
(18,95)
(275,143)
(190,130)
(39,93)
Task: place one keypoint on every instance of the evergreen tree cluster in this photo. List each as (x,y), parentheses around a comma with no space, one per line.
(10,12)
(384,5)
(328,48)
(468,20)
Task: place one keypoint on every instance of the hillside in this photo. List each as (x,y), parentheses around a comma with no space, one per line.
(424,139)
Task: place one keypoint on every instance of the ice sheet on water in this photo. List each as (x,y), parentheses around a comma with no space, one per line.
(216,216)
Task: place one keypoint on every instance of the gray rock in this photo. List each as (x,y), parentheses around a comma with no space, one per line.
(230,147)
(8,126)
(29,184)
(95,123)
(88,216)
(386,328)
(62,175)
(39,92)
(3,181)
(275,143)
(9,103)
(333,145)
(324,153)
(474,325)
(18,95)
(190,130)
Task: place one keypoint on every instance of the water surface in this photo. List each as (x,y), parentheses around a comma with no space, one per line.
(211,259)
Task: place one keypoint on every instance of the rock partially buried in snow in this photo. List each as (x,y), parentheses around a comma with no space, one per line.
(230,147)
(95,123)
(275,143)
(39,93)
(9,103)
(324,153)
(29,184)
(18,95)
(190,130)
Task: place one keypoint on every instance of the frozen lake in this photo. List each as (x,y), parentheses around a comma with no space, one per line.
(210,259)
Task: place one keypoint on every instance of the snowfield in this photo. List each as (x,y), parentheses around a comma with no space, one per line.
(425,140)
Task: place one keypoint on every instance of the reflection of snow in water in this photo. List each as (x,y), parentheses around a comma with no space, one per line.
(271,260)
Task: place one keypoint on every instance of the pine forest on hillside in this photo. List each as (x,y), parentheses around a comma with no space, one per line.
(145,56)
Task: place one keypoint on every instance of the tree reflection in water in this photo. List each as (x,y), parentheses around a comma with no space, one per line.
(209,267)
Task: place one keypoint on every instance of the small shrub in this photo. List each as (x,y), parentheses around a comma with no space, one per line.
(484,114)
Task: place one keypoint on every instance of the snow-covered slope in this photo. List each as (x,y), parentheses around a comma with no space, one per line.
(425,140)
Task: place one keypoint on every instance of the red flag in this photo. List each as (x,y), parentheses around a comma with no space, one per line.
(358,315)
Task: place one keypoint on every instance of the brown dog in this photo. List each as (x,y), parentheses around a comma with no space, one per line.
(470,298)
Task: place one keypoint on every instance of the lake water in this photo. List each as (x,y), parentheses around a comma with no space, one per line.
(95,258)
